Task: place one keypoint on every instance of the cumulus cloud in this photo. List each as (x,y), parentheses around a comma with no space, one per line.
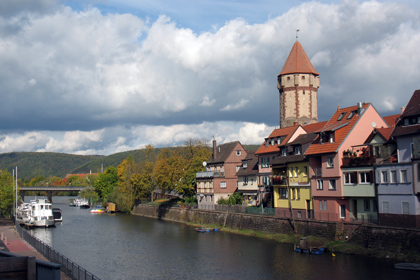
(85,81)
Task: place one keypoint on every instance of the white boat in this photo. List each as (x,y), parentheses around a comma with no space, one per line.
(408,266)
(41,214)
(80,202)
(97,211)
(23,213)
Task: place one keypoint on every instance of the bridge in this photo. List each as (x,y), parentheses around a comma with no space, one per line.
(49,190)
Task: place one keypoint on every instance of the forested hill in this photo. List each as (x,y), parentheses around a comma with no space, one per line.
(31,164)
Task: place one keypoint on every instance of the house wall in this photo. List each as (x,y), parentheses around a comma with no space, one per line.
(252,184)
(362,213)
(404,148)
(359,189)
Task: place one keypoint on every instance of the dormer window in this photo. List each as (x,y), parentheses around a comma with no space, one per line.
(331,137)
(297,150)
(284,152)
(272,142)
(245,164)
(266,142)
(278,141)
(341,116)
(352,113)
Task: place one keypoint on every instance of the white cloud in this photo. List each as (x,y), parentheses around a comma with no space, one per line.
(87,81)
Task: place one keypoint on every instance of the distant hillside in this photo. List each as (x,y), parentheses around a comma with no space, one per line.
(31,164)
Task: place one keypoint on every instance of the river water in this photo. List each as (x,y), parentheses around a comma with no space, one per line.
(119,246)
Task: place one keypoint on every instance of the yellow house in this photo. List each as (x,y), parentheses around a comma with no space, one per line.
(291,182)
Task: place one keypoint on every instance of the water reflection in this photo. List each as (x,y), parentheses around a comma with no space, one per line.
(120,246)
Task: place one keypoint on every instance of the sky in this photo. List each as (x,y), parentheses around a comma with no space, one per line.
(105,76)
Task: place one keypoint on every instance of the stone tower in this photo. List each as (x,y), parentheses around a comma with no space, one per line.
(298,84)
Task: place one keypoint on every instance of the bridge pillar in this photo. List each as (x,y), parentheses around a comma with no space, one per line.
(49,194)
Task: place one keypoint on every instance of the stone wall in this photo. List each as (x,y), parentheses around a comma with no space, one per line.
(389,239)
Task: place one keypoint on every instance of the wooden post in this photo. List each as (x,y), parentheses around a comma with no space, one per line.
(31,272)
(1,235)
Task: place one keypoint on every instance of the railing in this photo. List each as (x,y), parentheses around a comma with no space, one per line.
(317,172)
(73,269)
(260,211)
(209,174)
(244,209)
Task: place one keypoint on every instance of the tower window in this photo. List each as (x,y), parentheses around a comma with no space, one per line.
(303,77)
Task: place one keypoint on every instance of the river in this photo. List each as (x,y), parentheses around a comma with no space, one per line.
(119,246)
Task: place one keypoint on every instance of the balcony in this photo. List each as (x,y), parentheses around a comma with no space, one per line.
(279,180)
(317,172)
(209,174)
(358,161)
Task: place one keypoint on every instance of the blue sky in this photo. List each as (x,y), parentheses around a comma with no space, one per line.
(99,77)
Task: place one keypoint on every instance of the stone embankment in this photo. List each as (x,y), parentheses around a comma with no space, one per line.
(370,236)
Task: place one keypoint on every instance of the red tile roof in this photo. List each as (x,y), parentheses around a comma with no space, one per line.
(312,127)
(285,132)
(391,120)
(298,62)
(341,129)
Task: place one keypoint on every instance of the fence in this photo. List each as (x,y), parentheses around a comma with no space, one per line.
(70,267)
(243,209)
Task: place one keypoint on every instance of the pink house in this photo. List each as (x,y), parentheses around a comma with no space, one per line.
(348,127)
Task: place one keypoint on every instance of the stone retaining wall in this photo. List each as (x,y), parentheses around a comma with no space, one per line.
(399,240)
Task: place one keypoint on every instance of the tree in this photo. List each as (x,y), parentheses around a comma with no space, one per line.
(169,171)
(125,172)
(106,182)
(90,194)
(6,193)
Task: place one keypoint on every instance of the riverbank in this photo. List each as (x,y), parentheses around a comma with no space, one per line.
(13,243)
(402,245)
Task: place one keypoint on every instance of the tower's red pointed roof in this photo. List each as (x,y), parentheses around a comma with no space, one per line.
(298,62)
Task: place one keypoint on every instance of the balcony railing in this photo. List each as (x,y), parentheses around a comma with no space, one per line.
(209,174)
(317,172)
(356,161)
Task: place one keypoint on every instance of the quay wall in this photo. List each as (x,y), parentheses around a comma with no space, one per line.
(391,239)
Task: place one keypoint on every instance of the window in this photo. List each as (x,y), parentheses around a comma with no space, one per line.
(325,205)
(403,174)
(265,162)
(283,193)
(365,177)
(296,171)
(340,117)
(320,205)
(352,114)
(245,181)
(319,184)
(272,142)
(405,208)
(330,162)
(384,176)
(223,185)
(278,141)
(331,137)
(266,181)
(349,178)
(284,152)
(385,207)
(305,171)
(237,168)
(342,211)
(245,164)
(297,193)
(297,150)
(393,176)
(332,185)
(367,204)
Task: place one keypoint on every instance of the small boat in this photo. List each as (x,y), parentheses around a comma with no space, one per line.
(407,266)
(80,202)
(23,213)
(97,211)
(57,214)
(202,230)
(41,214)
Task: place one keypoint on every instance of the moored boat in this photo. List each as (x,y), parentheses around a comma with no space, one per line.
(407,266)
(57,214)
(97,211)
(22,213)
(41,214)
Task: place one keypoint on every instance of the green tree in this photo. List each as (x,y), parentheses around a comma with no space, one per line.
(106,182)
(6,193)
(169,171)
(90,194)
(125,172)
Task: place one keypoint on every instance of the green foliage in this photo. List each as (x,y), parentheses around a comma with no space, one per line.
(235,198)
(90,194)
(6,193)
(106,182)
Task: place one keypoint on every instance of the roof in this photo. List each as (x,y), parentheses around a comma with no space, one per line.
(298,62)
(412,109)
(285,133)
(312,127)
(252,168)
(288,159)
(223,152)
(304,138)
(341,127)
(392,120)
(384,132)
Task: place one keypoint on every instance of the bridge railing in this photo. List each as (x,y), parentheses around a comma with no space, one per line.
(69,267)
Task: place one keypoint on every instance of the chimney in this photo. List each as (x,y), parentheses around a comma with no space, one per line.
(402,109)
(214,149)
(295,123)
(359,107)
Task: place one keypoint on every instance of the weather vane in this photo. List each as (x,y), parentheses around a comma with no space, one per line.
(297,30)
